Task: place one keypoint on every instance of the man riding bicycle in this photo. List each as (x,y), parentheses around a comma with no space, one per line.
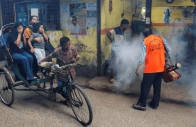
(66,54)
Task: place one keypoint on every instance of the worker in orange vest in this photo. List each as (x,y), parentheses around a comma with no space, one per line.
(153,57)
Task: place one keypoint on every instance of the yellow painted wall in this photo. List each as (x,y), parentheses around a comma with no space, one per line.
(111,20)
(158,7)
(54,37)
(175,19)
(108,21)
(86,43)
(163,3)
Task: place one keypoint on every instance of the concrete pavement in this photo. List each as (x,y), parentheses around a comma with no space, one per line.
(109,110)
(171,92)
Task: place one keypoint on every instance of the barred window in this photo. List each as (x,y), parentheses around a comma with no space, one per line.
(22,10)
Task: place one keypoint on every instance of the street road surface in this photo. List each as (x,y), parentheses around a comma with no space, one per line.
(110,110)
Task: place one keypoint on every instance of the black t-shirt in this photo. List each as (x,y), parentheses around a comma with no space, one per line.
(13,47)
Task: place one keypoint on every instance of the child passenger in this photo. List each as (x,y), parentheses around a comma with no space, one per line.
(38,48)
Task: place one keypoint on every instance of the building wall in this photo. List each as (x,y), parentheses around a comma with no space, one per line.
(112,19)
(163,3)
(1,21)
(176,22)
(86,44)
(20,10)
(54,37)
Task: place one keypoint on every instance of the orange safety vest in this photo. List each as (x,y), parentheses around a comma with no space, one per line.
(155,58)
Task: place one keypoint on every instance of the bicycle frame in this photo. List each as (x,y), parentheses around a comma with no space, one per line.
(70,77)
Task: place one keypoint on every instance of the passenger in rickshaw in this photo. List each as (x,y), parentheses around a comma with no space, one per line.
(65,54)
(27,35)
(38,48)
(19,55)
(28,31)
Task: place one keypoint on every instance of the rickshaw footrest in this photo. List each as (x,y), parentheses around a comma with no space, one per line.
(18,83)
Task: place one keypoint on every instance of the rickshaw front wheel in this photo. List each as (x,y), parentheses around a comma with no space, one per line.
(80,105)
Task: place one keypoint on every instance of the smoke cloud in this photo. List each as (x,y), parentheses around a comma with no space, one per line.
(183,53)
(127,56)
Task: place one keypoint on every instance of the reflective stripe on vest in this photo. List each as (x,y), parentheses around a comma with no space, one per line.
(155,58)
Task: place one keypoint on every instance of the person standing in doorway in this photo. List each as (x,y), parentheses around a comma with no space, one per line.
(153,57)
(116,36)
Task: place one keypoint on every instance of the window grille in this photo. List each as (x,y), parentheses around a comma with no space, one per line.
(49,13)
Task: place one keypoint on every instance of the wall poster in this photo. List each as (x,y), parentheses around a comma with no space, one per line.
(78,17)
(91,14)
(78,14)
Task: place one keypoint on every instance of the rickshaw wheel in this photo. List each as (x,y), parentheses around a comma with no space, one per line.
(80,105)
(6,90)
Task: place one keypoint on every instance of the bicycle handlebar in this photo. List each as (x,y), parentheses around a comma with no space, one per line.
(56,66)
(68,65)
(45,64)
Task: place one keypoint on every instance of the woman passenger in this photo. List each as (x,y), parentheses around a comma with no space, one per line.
(19,55)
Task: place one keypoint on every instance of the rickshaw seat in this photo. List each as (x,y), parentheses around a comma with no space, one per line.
(2,41)
(5,36)
(7,48)
(8,55)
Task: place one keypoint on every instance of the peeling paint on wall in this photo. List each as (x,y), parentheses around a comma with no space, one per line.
(86,43)
(83,48)
(55,37)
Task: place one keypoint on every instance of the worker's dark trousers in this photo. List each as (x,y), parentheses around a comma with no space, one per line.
(148,80)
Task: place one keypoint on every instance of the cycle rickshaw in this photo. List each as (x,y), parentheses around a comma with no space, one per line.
(11,77)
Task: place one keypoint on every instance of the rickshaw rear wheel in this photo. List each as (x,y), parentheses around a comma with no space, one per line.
(6,90)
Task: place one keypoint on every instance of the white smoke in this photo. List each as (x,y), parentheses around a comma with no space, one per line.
(192,82)
(178,47)
(127,56)
(180,54)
